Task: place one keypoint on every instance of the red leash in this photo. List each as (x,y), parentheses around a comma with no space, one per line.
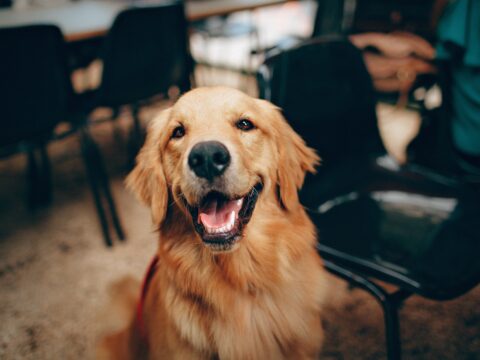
(146,282)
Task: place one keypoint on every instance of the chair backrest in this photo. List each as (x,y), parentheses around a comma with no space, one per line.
(34,82)
(328,18)
(327,96)
(145,52)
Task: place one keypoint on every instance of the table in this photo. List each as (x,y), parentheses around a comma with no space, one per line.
(81,20)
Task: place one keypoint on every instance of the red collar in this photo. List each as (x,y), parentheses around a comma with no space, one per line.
(146,282)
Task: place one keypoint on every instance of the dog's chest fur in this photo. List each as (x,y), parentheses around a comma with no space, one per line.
(216,319)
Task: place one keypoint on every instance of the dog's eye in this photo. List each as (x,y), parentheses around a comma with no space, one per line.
(245,125)
(178,132)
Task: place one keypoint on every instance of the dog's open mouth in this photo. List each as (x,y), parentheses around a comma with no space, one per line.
(220,220)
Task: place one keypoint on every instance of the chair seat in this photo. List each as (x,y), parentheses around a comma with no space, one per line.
(411,228)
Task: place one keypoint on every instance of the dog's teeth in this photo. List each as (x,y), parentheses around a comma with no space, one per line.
(240,202)
(223,229)
(231,219)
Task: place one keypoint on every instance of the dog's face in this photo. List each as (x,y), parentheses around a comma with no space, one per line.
(215,153)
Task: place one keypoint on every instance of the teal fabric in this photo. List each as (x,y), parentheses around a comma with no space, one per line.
(459,43)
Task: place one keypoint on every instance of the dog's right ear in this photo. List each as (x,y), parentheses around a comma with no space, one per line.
(295,158)
(147,179)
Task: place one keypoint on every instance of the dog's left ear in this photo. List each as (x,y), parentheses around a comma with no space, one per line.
(147,179)
(295,158)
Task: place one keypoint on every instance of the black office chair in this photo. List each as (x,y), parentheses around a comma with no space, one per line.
(346,17)
(376,220)
(144,54)
(35,96)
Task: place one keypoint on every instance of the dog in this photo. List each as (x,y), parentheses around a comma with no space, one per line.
(236,275)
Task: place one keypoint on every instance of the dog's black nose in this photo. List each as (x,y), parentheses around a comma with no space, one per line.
(209,159)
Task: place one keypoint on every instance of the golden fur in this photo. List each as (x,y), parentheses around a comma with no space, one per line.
(262,299)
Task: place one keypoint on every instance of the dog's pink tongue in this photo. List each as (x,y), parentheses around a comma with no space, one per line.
(215,214)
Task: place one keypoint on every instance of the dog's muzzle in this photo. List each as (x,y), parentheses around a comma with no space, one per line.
(220,220)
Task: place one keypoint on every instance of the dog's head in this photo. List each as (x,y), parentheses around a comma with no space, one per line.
(214,154)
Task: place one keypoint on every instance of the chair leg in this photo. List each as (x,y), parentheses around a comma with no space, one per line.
(392,327)
(32,178)
(39,177)
(390,304)
(101,184)
(117,132)
(88,154)
(105,185)
(113,212)
(136,136)
(46,176)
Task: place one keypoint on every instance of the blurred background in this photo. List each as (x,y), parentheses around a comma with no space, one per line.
(386,91)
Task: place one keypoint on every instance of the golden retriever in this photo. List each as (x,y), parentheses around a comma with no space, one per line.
(237,276)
